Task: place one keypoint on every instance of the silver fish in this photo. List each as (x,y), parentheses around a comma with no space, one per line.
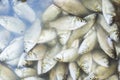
(74,70)
(80,32)
(51,13)
(14,50)
(103,42)
(67,5)
(63,36)
(37,53)
(68,23)
(32,35)
(10,23)
(88,43)
(7,74)
(25,72)
(5,38)
(97,6)
(101,58)
(22,61)
(22,9)
(108,11)
(68,55)
(85,62)
(4,7)
(61,71)
(52,74)
(103,72)
(47,35)
(113,29)
(48,62)
(33,78)
(13,63)
(113,77)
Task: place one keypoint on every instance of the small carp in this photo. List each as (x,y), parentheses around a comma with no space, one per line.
(63,36)
(80,32)
(61,71)
(113,29)
(97,6)
(68,23)
(32,35)
(14,50)
(103,72)
(33,78)
(10,23)
(67,5)
(113,77)
(5,38)
(68,55)
(7,74)
(74,70)
(37,53)
(108,11)
(52,74)
(103,42)
(13,63)
(22,61)
(25,72)
(88,43)
(101,58)
(51,13)
(85,62)
(22,9)
(48,62)
(47,35)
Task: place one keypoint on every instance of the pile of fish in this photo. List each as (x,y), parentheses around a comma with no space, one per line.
(73,40)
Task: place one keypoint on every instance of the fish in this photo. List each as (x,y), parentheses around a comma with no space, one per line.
(67,5)
(88,43)
(7,73)
(113,77)
(52,73)
(96,7)
(61,71)
(48,62)
(85,62)
(13,50)
(68,55)
(113,29)
(108,11)
(21,10)
(51,13)
(13,63)
(118,68)
(80,32)
(22,61)
(47,35)
(4,7)
(33,78)
(25,72)
(103,72)
(37,53)
(5,38)
(101,58)
(63,36)
(103,42)
(67,23)
(10,23)
(74,70)
(31,36)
